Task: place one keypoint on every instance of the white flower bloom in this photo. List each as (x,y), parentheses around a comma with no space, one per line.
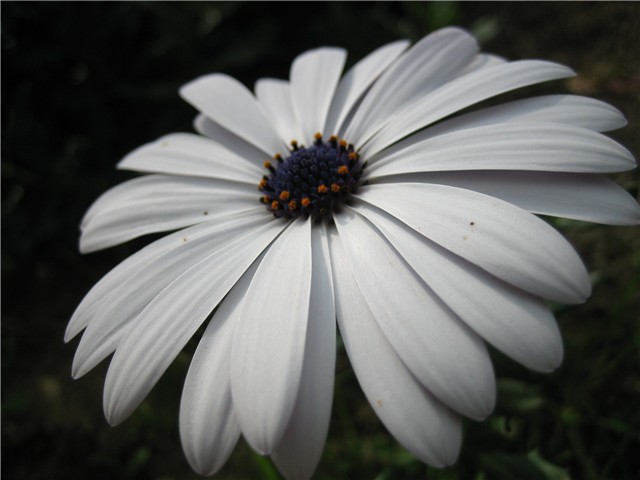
(417,233)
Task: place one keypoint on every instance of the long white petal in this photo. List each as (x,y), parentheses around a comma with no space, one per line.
(298,453)
(230,104)
(128,292)
(169,321)
(463,92)
(482,60)
(568,109)
(232,142)
(314,78)
(506,241)
(356,81)
(269,342)
(517,323)
(515,146)
(100,294)
(275,97)
(157,203)
(448,358)
(430,63)
(586,197)
(208,426)
(422,424)
(193,155)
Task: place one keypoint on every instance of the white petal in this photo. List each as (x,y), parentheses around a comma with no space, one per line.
(515,146)
(99,295)
(209,429)
(210,129)
(586,197)
(448,358)
(127,292)
(230,104)
(482,60)
(268,345)
(430,63)
(314,78)
(568,109)
(463,92)
(518,324)
(298,453)
(275,97)
(194,155)
(169,321)
(156,203)
(505,240)
(422,424)
(94,300)
(356,81)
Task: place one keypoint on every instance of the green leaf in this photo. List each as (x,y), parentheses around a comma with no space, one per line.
(517,397)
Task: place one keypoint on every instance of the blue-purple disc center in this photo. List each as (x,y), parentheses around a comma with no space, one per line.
(311,180)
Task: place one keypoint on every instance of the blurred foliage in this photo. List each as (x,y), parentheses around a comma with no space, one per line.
(84,83)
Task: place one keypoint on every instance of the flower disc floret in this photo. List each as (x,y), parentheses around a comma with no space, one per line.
(311,180)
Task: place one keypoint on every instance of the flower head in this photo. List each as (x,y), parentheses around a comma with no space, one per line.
(362,198)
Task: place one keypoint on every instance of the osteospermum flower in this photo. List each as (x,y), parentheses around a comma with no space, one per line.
(361,198)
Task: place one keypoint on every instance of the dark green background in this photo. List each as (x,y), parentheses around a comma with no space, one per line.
(84,83)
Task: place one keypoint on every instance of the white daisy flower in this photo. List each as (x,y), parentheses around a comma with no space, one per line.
(361,198)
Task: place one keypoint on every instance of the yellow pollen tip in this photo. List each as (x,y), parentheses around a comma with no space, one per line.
(318,136)
(284,195)
(267,164)
(294,143)
(343,170)
(306,201)
(292,205)
(275,205)
(335,188)
(343,143)
(353,156)
(277,156)
(262,184)
(322,189)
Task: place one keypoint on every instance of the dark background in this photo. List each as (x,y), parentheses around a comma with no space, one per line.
(85,83)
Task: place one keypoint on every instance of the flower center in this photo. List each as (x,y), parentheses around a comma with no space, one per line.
(311,180)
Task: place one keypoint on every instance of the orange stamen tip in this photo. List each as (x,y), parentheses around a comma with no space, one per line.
(306,201)
(267,164)
(275,205)
(262,184)
(277,156)
(353,156)
(318,136)
(322,189)
(335,188)
(284,195)
(292,205)
(343,143)
(343,170)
